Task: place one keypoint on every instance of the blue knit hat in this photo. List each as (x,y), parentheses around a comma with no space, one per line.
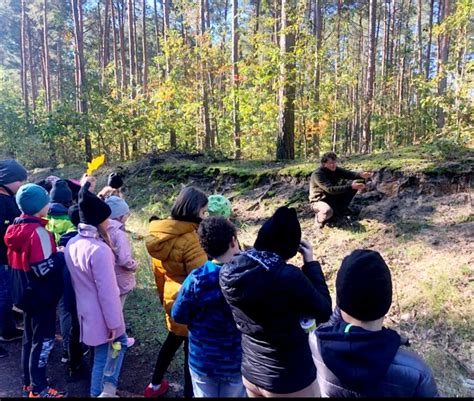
(118,206)
(31,198)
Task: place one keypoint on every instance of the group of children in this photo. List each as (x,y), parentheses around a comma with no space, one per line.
(251,323)
(67,247)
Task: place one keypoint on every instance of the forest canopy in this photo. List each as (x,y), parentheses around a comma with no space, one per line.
(252,79)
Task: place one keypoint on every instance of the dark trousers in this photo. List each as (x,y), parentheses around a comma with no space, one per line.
(74,349)
(7,321)
(332,204)
(167,352)
(38,341)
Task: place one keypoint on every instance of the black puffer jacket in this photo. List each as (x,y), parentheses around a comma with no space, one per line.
(8,212)
(354,362)
(268,298)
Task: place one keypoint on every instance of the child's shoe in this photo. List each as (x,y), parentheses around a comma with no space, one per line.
(48,392)
(109,391)
(156,391)
(130,342)
(25,391)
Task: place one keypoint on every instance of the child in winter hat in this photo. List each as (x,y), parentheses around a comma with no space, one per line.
(125,264)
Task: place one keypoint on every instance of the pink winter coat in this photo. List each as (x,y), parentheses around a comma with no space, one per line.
(125,265)
(90,262)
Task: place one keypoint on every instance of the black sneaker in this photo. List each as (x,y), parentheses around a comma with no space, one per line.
(3,352)
(16,335)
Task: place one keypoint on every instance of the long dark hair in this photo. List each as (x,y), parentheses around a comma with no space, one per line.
(187,205)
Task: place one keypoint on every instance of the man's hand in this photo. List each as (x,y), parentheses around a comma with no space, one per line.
(357,185)
(366,174)
(306,251)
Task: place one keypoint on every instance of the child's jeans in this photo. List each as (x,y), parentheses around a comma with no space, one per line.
(206,386)
(101,354)
(38,341)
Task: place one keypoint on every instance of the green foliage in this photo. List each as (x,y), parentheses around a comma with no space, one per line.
(126,126)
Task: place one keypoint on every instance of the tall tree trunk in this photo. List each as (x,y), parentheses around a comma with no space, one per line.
(286,95)
(81,102)
(428,47)
(157,29)
(166,30)
(235,78)
(144,51)
(369,92)
(131,48)
(115,37)
(105,42)
(257,16)
(24,76)
(336,76)
(419,36)
(443,59)
(204,93)
(31,65)
(318,32)
(123,60)
(47,80)
(59,53)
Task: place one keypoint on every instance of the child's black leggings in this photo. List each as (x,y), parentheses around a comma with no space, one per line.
(167,352)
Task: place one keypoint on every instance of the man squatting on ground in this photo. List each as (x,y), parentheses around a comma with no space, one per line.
(327,195)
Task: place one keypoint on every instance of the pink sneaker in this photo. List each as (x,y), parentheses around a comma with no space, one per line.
(130,342)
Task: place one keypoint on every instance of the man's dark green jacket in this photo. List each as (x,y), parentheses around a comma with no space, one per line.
(325,183)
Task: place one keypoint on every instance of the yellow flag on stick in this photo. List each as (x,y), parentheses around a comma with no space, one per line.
(95,164)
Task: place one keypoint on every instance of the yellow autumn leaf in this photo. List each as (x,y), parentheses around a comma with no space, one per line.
(95,164)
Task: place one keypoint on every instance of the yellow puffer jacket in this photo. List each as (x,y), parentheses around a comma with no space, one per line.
(175,250)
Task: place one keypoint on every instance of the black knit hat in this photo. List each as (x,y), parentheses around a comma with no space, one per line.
(115,180)
(92,210)
(75,188)
(60,193)
(364,285)
(280,234)
(73,213)
(11,171)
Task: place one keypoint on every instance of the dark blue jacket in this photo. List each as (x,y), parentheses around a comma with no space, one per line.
(354,362)
(69,295)
(8,212)
(268,297)
(214,341)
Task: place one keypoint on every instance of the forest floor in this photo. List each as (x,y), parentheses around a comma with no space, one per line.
(418,213)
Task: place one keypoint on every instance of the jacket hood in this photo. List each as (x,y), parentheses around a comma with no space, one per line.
(248,275)
(358,357)
(20,231)
(114,225)
(56,209)
(206,284)
(163,234)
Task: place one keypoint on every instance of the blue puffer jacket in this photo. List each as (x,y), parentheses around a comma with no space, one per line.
(268,297)
(214,341)
(354,362)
